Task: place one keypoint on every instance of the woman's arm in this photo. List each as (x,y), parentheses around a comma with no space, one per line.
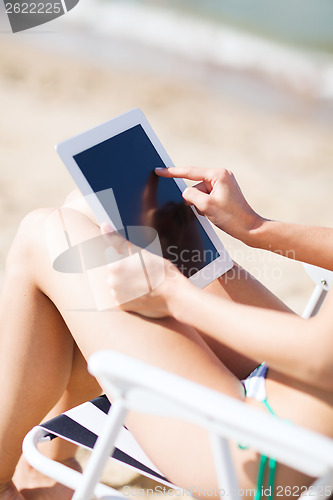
(298,348)
(302,349)
(220,199)
(305,243)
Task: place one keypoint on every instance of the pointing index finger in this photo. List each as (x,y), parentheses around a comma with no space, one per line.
(191,173)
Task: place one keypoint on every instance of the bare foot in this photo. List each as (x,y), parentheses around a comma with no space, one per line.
(35,486)
(9,492)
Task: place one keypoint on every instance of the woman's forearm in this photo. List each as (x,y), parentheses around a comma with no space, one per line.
(305,243)
(285,341)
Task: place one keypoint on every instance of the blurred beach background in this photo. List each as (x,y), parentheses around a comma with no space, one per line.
(242,85)
(246,85)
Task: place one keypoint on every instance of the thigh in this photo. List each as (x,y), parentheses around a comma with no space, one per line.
(236,285)
(174,446)
(181,450)
(239,286)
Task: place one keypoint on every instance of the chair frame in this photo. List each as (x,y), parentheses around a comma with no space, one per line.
(323,280)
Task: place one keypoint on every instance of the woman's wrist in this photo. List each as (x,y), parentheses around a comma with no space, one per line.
(256,235)
(179,297)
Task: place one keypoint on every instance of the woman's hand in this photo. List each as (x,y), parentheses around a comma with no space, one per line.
(138,280)
(218,197)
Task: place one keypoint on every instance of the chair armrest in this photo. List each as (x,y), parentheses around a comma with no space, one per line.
(151,390)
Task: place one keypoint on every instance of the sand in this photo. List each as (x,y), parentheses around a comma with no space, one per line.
(281,153)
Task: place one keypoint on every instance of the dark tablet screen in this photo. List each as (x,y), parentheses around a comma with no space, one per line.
(126,163)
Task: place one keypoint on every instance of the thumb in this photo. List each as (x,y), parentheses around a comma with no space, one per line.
(194,196)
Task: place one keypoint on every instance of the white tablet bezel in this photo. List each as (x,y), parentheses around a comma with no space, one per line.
(77,144)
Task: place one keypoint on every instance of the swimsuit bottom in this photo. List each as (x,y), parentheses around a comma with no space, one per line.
(255,387)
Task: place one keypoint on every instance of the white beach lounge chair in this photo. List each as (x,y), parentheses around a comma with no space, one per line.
(138,386)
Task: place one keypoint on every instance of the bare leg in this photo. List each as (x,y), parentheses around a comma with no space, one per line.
(31,483)
(36,361)
(165,343)
(44,361)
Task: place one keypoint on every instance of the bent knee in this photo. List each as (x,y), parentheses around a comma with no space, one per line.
(33,224)
(28,237)
(76,201)
(33,220)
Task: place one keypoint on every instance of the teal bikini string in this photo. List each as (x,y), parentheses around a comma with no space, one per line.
(262,468)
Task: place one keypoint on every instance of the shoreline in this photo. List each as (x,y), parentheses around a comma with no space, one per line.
(175,43)
(207,42)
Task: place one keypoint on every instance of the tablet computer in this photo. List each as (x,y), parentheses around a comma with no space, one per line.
(113,165)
